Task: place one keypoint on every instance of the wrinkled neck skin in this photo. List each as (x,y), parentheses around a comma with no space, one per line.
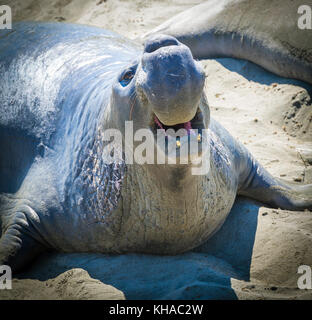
(160,189)
(101,184)
(160,209)
(93,189)
(167,210)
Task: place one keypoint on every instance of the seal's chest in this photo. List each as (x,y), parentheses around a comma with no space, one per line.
(158,221)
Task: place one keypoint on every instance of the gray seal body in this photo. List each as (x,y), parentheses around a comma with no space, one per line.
(62,86)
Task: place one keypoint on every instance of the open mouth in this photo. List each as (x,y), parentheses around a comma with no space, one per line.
(190,128)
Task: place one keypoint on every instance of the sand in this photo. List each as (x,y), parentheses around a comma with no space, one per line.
(257,253)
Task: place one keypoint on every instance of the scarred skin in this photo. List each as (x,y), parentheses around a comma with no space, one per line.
(62,86)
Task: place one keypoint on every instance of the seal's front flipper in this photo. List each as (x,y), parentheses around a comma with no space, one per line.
(257,183)
(17,244)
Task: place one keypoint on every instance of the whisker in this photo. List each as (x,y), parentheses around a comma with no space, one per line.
(132,97)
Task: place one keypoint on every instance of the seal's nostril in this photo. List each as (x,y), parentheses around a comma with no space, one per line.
(159,41)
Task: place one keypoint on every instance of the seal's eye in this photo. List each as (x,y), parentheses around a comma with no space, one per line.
(126,78)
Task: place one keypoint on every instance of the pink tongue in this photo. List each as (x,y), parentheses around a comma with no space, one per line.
(158,122)
(187,125)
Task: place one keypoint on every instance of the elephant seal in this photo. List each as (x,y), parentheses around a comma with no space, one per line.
(264,32)
(62,86)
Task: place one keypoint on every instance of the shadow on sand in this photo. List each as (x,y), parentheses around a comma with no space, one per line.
(255,73)
(204,273)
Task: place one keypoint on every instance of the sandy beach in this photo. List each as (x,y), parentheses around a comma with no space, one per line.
(272,116)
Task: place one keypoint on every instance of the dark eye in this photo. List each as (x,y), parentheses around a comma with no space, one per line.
(126,78)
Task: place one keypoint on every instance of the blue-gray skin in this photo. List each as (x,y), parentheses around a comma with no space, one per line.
(61,86)
(265,32)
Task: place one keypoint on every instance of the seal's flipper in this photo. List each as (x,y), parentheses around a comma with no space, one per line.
(257,183)
(244,29)
(17,245)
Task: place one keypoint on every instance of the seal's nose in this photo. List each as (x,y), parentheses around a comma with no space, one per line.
(159,41)
(171,79)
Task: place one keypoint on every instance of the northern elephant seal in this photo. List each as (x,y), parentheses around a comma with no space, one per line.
(62,86)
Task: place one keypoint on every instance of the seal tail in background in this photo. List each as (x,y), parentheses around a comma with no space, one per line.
(243,29)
